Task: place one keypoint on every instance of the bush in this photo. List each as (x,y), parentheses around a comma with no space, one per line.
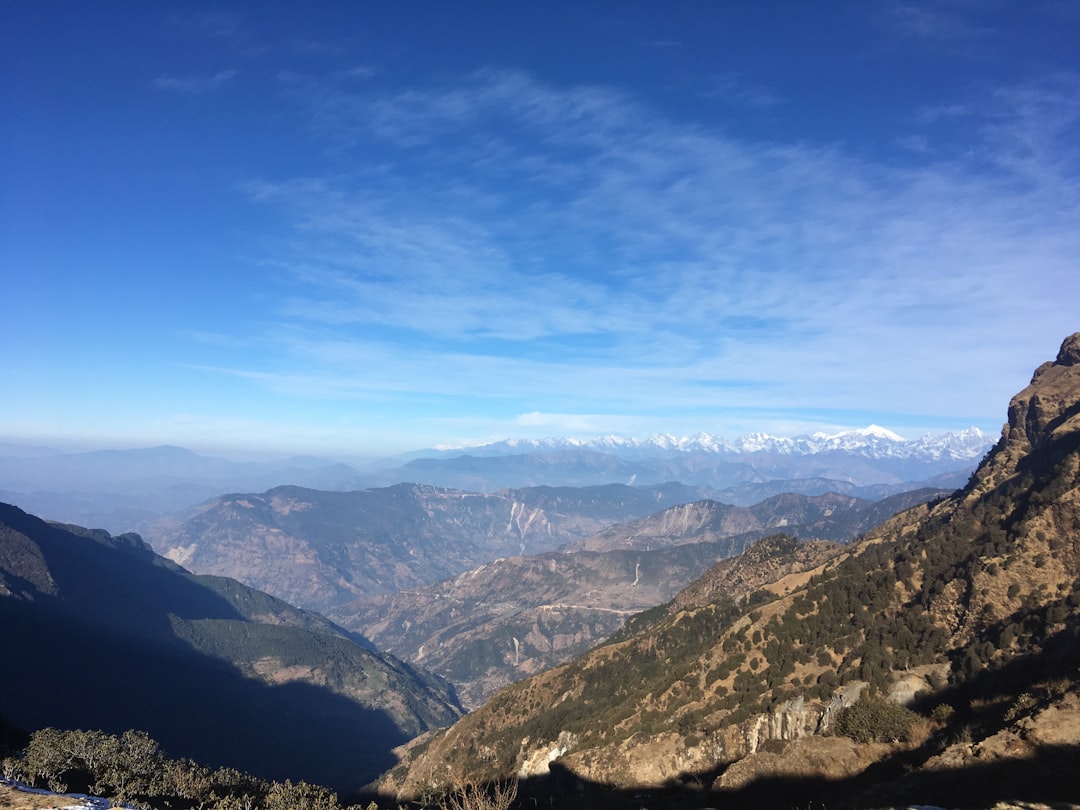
(875,719)
(1025,702)
(942,714)
(498,796)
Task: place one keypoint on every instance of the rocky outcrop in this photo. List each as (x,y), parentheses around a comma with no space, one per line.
(1046,410)
(1050,400)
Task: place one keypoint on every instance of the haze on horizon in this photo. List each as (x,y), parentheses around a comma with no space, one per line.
(359,229)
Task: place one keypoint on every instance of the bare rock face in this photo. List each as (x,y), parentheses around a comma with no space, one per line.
(1047,409)
(1050,399)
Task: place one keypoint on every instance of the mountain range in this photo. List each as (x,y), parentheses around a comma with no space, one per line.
(320,549)
(126,490)
(485,588)
(872,442)
(932,660)
(778,678)
(744,471)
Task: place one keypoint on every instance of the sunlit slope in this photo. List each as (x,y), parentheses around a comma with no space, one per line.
(971,601)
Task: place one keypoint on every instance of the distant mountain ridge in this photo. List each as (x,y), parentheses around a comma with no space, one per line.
(125,490)
(872,442)
(319,549)
(761,466)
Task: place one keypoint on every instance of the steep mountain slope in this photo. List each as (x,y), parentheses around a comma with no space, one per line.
(100,632)
(972,603)
(321,549)
(516,616)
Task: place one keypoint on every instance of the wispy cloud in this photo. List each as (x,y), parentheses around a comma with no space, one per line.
(517,241)
(737,88)
(935,22)
(195,85)
(229,30)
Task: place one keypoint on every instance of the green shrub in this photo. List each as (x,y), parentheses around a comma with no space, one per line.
(942,713)
(875,719)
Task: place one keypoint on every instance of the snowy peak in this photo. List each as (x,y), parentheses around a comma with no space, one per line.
(873,441)
(971,443)
(871,433)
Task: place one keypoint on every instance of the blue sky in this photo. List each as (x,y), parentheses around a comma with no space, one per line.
(357,227)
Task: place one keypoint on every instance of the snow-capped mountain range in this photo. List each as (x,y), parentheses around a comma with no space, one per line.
(870,442)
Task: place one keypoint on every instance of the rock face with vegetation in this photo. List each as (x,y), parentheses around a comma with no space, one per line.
(966,609)
(101,633)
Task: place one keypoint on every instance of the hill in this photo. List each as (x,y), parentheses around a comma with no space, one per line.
(99,632)
(516,616)
(967,609)
(321,549)
(824,517)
